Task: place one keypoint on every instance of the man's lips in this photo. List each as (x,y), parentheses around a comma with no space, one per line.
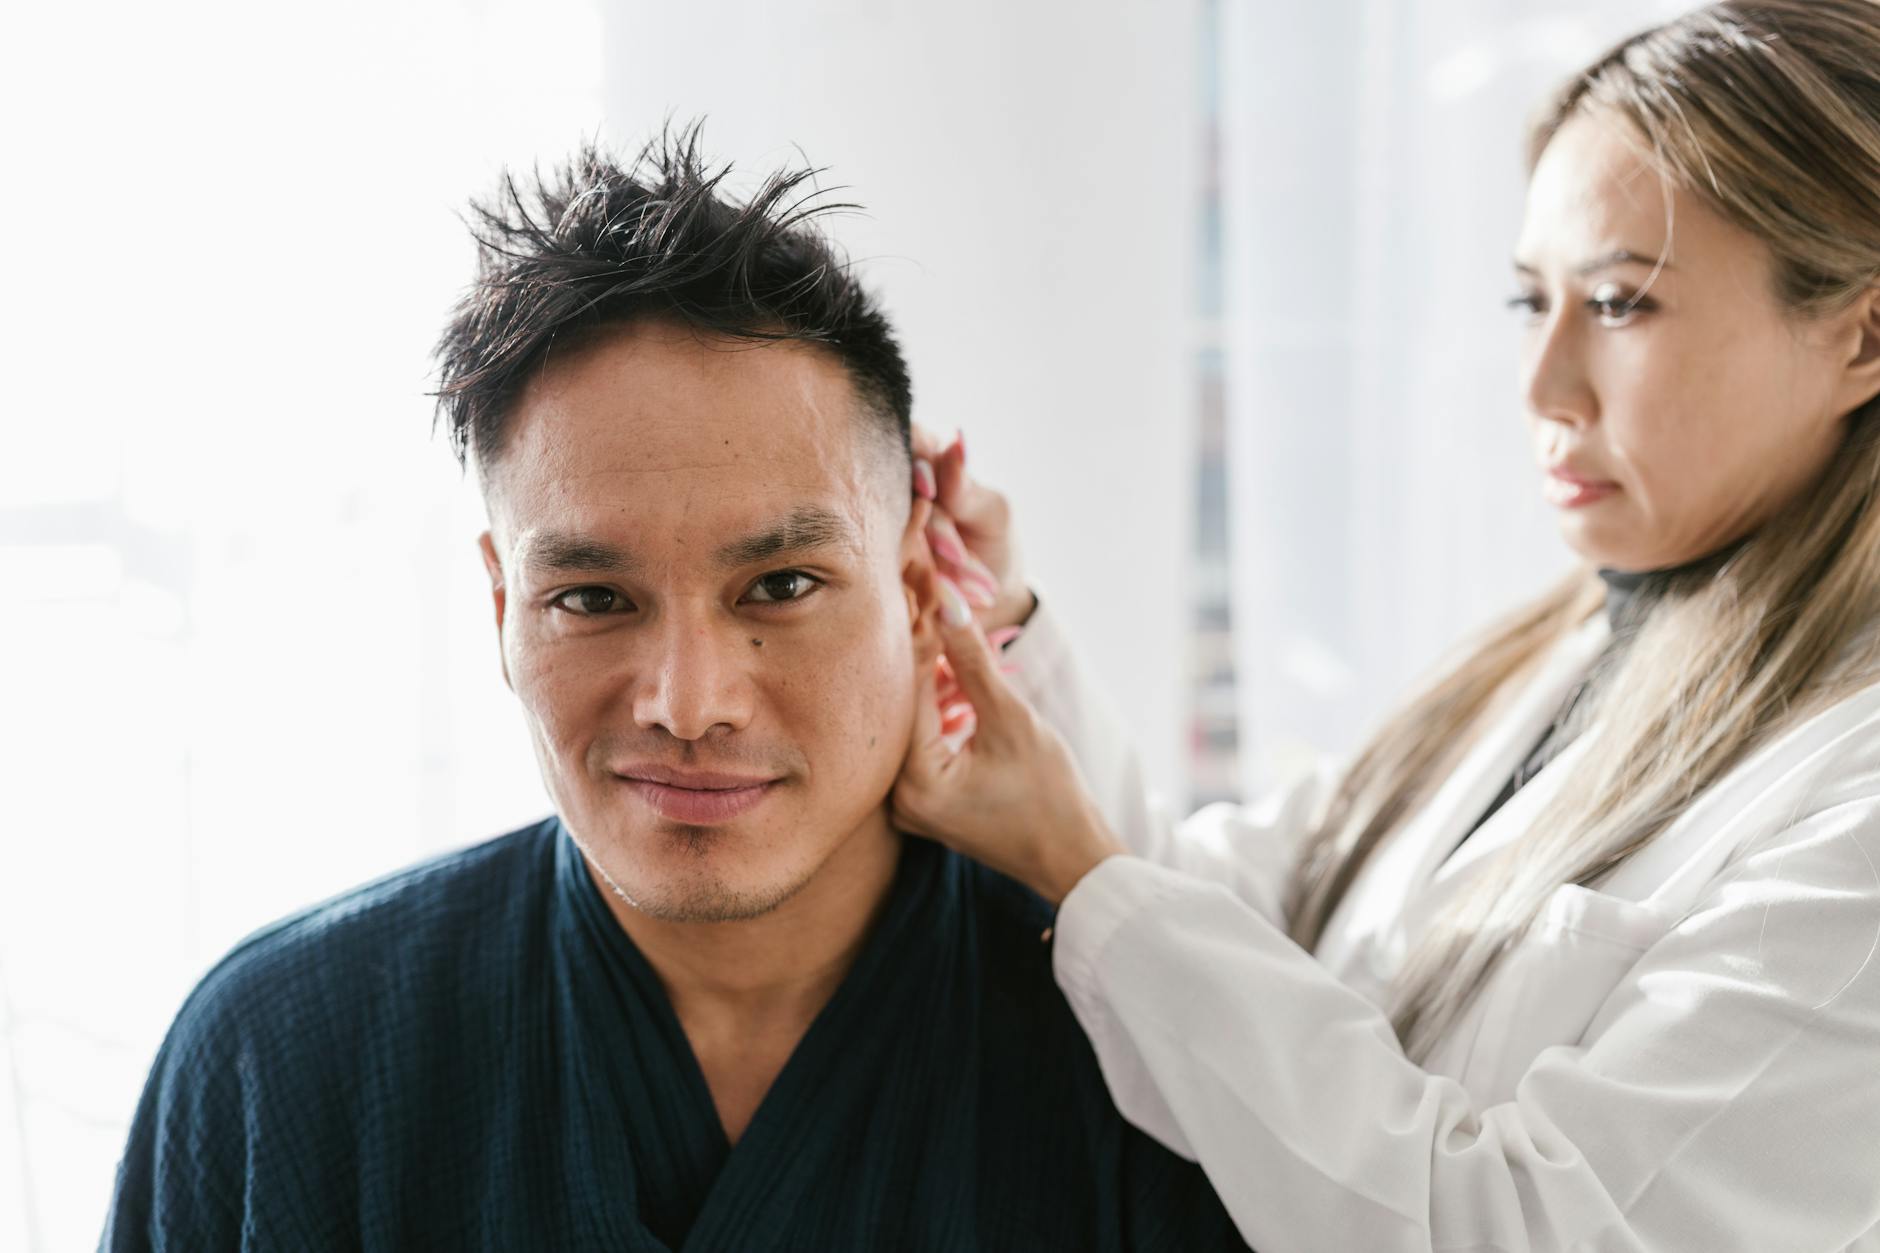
(698,797)
(696,780)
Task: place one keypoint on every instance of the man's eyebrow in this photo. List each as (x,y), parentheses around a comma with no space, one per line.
(572,554)
(804,528)
(1606,261)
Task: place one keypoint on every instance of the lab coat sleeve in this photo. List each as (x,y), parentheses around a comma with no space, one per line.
(1725,1097)
(1247,849)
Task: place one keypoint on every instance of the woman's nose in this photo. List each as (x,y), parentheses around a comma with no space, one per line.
(1555,381)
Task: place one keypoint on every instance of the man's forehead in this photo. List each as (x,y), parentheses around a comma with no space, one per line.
(652,399)
(655,396)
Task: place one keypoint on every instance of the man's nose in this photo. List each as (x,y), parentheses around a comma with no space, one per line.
(1556,384)
(694,679)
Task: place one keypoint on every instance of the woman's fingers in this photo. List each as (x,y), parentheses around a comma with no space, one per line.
(975,665)
(979,583)
(929,726)
(986,776)
(926,442)
(960,728)
(930,771)
(949,467)
(970,530)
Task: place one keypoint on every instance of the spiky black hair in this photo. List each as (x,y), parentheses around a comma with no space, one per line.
(599,243)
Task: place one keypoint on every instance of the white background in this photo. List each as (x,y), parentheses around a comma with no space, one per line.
(249,658)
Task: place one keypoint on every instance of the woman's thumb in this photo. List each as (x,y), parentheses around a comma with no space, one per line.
(974,663)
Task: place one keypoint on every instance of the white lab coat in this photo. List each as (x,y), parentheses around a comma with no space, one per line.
(1687,1058)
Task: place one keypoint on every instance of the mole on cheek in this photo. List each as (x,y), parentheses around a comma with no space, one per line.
(757,643)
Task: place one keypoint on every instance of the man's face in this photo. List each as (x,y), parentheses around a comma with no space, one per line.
(709,590)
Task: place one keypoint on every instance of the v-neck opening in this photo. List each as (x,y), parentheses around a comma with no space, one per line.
(785,1110)
(779,1114)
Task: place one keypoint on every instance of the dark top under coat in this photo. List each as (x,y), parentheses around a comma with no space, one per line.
(1629,600)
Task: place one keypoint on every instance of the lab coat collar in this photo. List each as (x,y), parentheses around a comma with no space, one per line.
(1407,880)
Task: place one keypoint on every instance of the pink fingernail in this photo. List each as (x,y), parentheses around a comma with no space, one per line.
(1004,635)
(953,607)
(924,485)
(946,547)
(980,596)
(968,577)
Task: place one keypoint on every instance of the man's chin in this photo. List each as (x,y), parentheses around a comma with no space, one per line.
(699,894)
(702,903)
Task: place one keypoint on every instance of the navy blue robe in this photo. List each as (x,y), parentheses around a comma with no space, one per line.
(471,1054)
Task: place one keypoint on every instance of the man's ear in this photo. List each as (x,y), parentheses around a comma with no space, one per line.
(493,565)
(1860,381)
(918,583)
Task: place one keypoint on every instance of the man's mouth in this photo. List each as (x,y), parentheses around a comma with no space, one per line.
(696,797)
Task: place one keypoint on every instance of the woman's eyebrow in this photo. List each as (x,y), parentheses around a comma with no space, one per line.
(1605,261)
(806,527)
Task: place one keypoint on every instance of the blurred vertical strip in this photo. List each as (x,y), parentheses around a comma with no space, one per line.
(1214,734)
(19,1227)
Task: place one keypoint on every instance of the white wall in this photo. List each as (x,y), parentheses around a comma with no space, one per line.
(1029,172)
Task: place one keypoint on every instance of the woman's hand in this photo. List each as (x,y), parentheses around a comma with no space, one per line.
(994,782)
(971,533)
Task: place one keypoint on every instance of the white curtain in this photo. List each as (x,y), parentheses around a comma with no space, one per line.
(1383,500)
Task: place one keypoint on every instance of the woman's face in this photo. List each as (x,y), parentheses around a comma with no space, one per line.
(1672,410)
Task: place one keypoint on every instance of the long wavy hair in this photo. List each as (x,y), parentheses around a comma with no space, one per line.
(1770,113)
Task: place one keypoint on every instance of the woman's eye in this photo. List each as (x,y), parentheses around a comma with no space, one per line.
(588,602)
(782,587)
(1527,303)
(1615,307)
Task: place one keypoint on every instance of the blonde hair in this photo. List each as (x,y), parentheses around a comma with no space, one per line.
(1770,112)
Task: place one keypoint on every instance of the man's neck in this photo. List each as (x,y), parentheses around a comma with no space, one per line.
(746,992)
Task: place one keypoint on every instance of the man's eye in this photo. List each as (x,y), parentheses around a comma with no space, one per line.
(588,602)
(782,587)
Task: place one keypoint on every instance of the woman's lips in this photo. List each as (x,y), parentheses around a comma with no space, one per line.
(1570,491)
(699,806)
